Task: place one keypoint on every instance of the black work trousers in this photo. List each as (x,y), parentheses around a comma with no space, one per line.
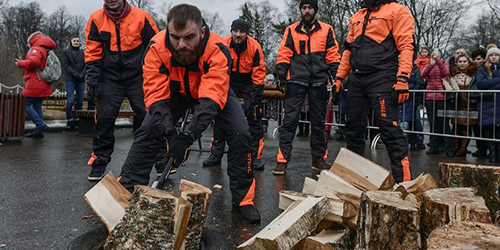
(439,125)
(254,123)
(294,98)
(148,141)
(108,106)
(373,91)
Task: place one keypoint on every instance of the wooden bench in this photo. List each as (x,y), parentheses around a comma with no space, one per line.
(87,120)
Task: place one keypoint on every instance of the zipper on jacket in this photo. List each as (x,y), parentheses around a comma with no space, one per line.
(311,71)
(365,23)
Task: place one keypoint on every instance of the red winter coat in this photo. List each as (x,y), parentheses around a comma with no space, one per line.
(36,58)
(434,75)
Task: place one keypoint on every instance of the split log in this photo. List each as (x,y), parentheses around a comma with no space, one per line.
(199,196)
(486,179)
(109,200)
(417,186)
(339,209)
(154,220)
(361,172)
(291,226)
(329,240)
(451,205)
(465,235)
(386,221)
(309,185)
(333,186)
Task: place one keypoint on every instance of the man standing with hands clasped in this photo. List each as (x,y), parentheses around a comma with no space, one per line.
(308,57)
(378,59)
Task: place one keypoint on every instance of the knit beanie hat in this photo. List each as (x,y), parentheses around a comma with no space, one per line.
(313,3)
(240,24)
(492,51)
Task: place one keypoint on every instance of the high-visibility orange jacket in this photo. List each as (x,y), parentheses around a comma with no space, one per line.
(248,65)
(377,37)
(114,50)
(206,82)
(308,56)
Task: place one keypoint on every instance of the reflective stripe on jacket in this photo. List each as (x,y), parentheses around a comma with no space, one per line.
(115,50)
(377,37)
(307,54)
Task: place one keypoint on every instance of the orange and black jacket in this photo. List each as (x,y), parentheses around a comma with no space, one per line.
(308,56)
(205,82)
(377,37)
(115,50)
(248,65)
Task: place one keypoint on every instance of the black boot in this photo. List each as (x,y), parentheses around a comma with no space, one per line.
(211,161)
(258,164)
(247,213)
(493,152)
(38,132)
(301,130)
(319,164)
(306,130)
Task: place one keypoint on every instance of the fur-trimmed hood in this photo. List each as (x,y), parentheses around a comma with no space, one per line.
(470,71)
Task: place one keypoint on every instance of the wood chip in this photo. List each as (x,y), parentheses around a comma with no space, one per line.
(193,174)
(217,186)
(3,245)
(87,217)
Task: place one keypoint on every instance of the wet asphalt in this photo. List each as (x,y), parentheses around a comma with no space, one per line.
(42,183)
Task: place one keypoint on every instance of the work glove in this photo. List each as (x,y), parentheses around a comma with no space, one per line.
(93,90)
(400,91)
(281,84)
(179,147)
(337,86)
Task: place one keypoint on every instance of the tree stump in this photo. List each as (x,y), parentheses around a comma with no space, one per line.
(152,221)
(199,196)
(465,235)
(486,179)
(386,221)
(450,205)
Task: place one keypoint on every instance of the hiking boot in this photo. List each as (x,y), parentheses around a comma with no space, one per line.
(38,132)
(420,146)
(480,153)
(318,163)
(211,161)
(280,169)
(258,164)
(96,174)
(71,124)
(249,213)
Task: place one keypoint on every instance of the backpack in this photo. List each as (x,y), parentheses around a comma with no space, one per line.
(52,71)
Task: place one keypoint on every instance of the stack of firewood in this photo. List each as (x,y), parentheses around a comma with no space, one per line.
(357,205)
(150,218)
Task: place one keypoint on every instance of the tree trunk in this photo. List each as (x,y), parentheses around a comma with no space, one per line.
(450,205)
(386,221)
(486,179)
(199,196)
(465,235)
(152,221)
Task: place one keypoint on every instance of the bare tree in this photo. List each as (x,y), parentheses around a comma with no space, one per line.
(482,32)
(162,18)
(437,21)
(262,17)
(495,7)
(338,14)
(214,21)
(57,26)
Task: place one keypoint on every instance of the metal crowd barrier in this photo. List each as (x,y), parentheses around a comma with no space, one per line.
(450,111)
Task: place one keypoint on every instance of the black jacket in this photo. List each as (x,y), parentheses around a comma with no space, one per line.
(73,62)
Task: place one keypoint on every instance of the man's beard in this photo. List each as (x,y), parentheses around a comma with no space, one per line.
(308,19)
(188,56)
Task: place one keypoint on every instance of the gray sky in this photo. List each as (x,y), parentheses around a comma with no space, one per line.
(227,9)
